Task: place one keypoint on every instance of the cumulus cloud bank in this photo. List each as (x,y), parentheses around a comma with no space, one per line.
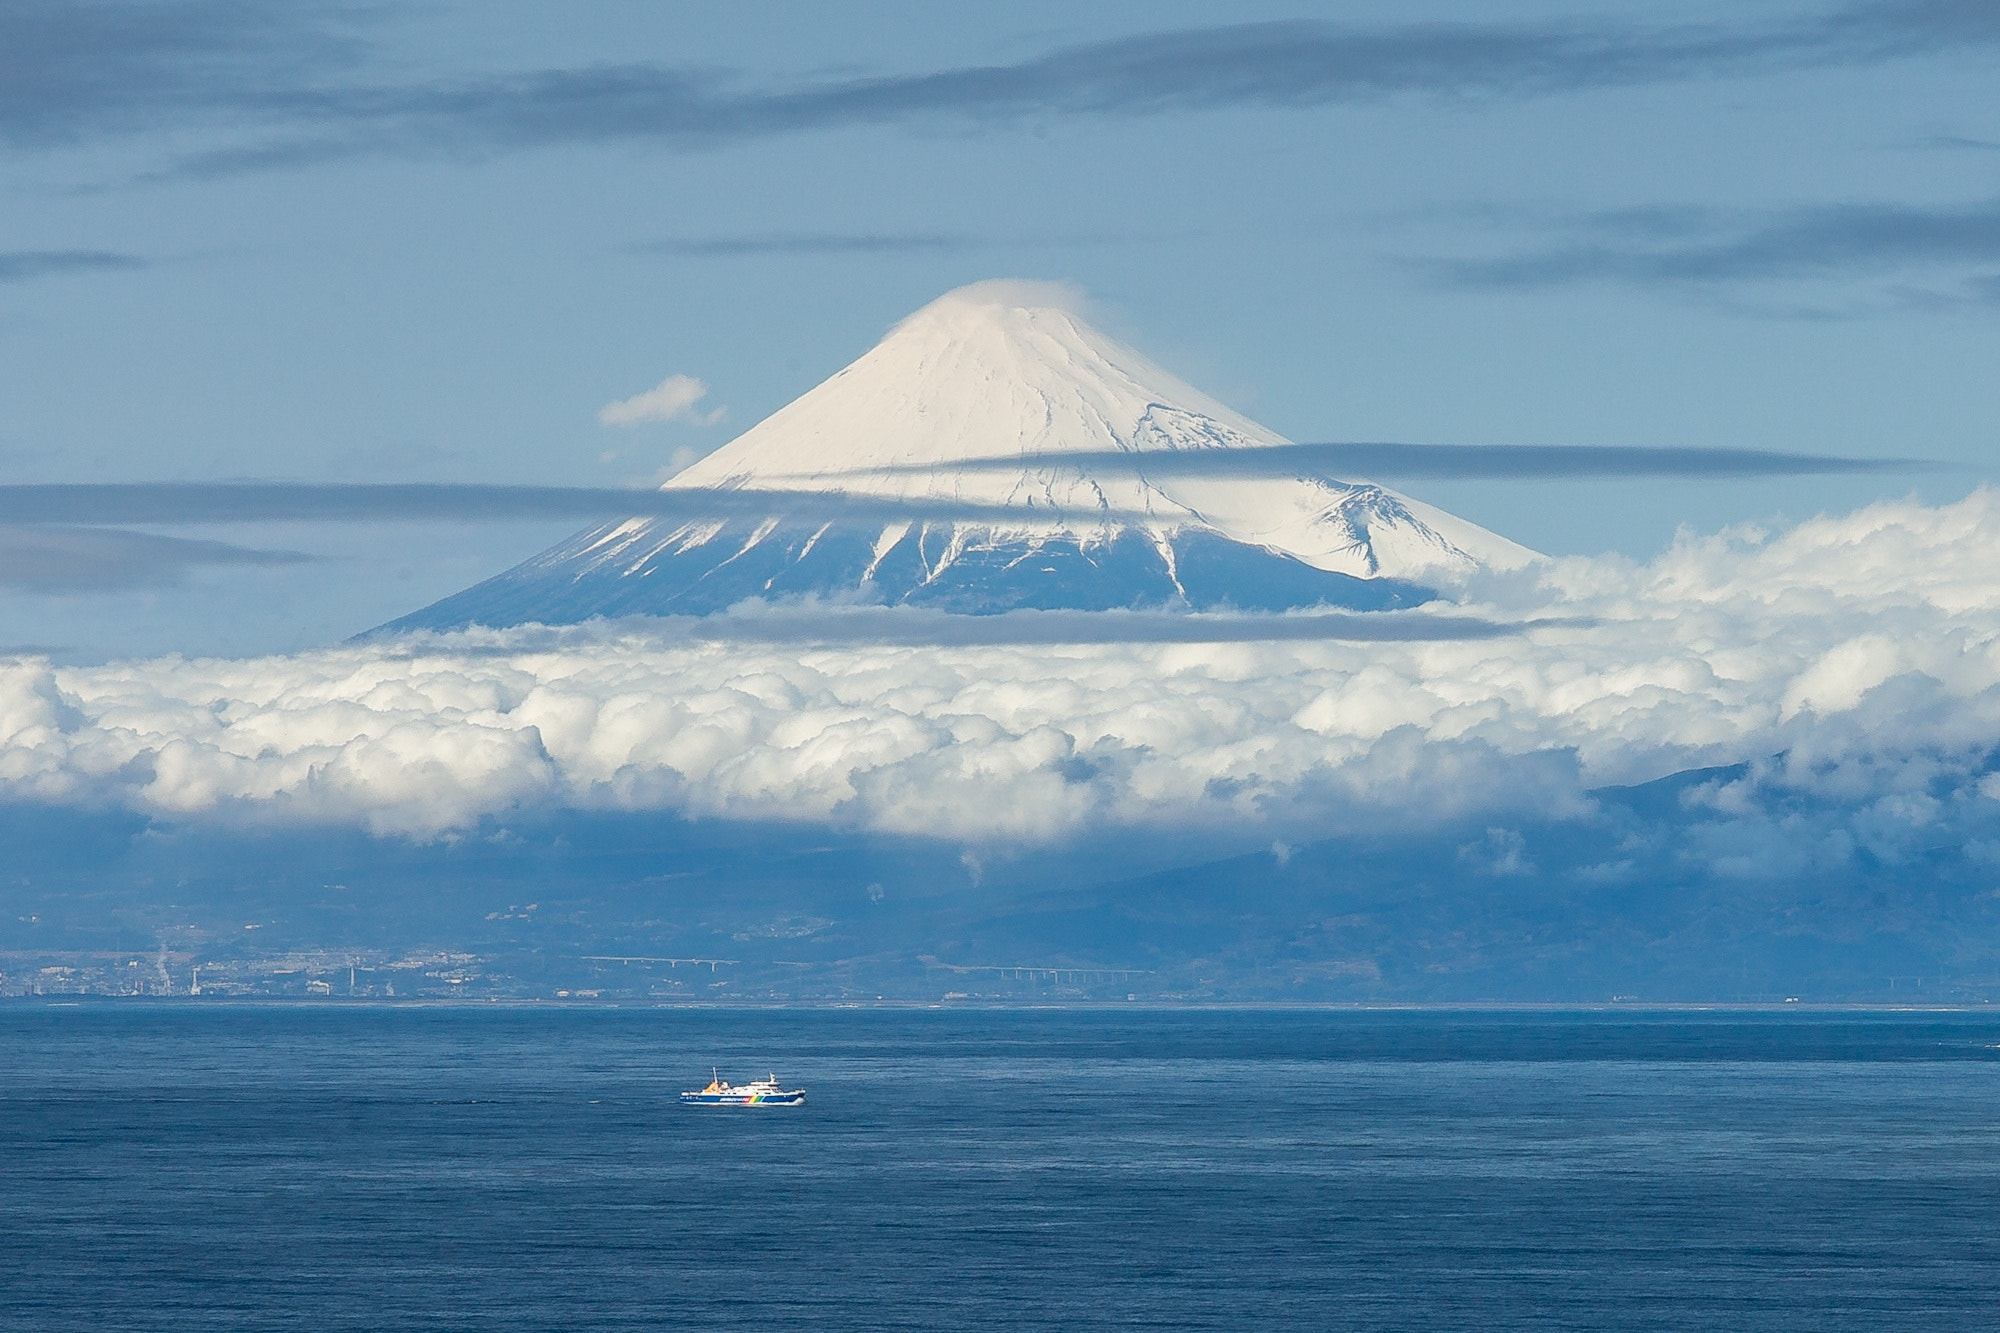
(1857,658)
(672,399)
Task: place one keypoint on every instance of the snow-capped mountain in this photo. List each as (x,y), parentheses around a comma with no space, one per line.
(1029,450)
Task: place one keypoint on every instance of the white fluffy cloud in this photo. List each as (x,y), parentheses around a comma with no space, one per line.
(1865,649)
(672,399)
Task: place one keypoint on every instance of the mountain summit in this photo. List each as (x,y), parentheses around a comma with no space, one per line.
(1022,458)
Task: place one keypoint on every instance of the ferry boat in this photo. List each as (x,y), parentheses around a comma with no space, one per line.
(758,1092)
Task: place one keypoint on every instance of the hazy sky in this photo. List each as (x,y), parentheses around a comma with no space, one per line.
(431,242)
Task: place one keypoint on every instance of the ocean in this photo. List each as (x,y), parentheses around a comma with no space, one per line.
(187,1166)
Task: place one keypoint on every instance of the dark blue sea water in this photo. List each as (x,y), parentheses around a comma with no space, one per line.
(180,1167)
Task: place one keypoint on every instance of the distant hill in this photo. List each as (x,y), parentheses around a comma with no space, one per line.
(1595,909)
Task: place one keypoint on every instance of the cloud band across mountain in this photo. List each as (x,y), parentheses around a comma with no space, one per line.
(264,502)
(306,502)
(1461,462)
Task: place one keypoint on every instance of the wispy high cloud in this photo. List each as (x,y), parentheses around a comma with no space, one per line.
(1690,249)
(803,243)
(1963,141)
(674,398)
(72,69)
(22,265)
(300,76)
(94,560)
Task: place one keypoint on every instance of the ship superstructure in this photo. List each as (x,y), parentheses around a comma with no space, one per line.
(758,1092)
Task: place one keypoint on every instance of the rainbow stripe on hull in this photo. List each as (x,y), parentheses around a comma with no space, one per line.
(761,1092)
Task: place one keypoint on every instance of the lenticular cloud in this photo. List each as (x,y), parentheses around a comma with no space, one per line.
(1863,651)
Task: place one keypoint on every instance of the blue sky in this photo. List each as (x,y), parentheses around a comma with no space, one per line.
(431,242)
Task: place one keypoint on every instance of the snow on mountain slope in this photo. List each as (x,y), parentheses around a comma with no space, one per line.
(997,396)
